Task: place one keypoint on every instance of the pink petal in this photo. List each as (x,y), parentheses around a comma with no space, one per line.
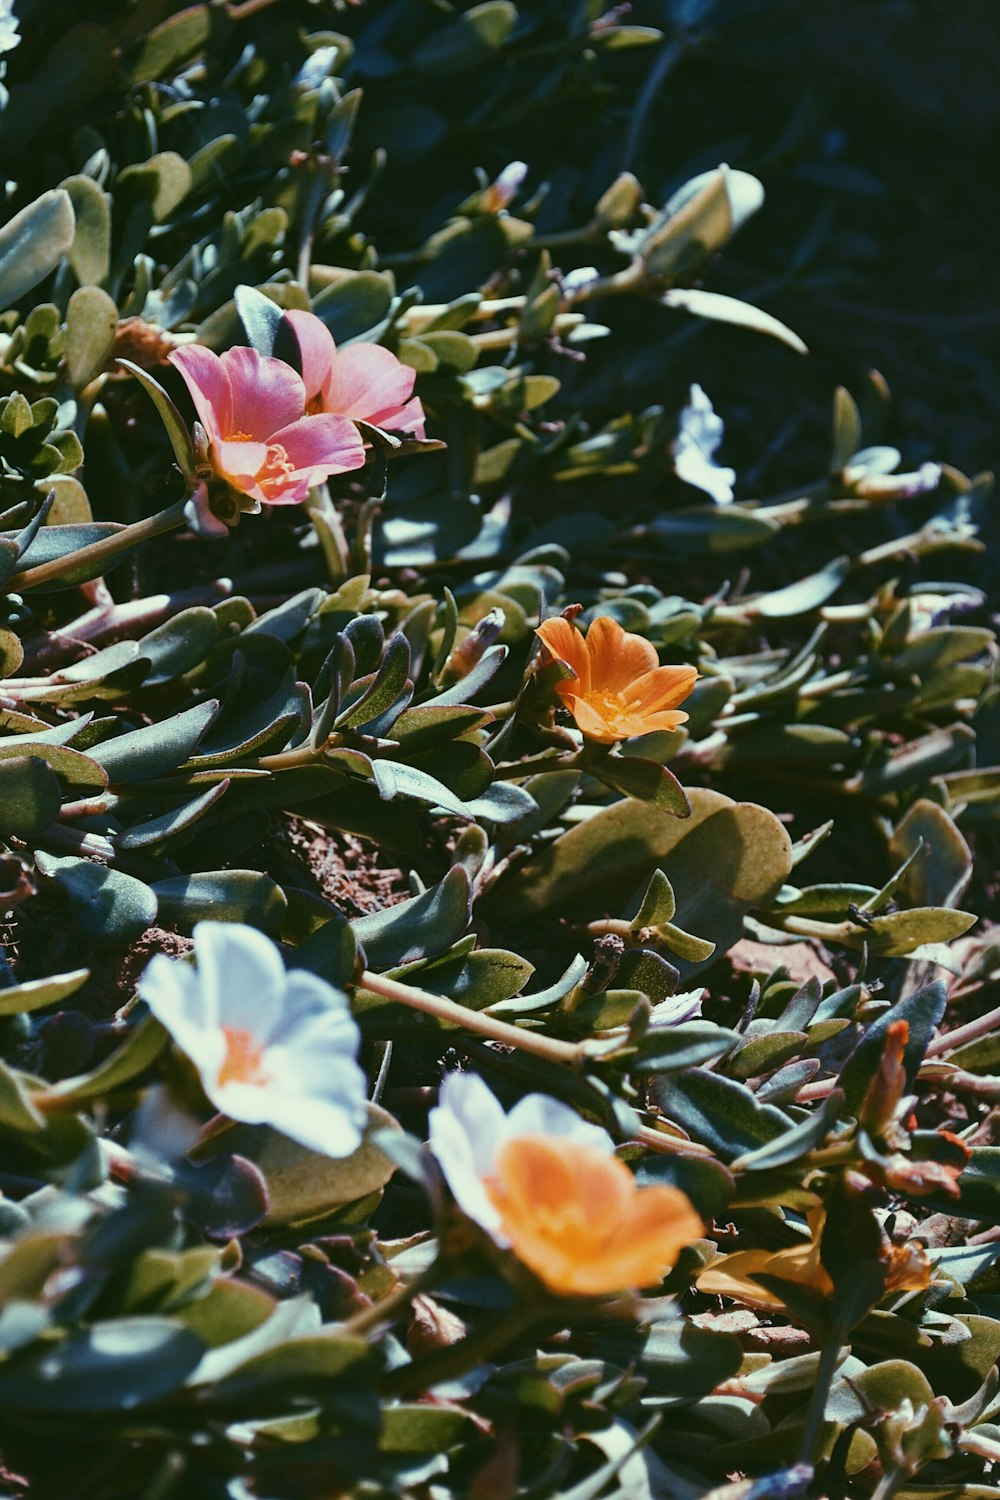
(267,394)
(240,463)
(410,419)
(316,347)
(322,445)
(368,383)
(205,376)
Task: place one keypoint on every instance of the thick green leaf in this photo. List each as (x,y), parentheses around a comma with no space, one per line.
(118,1365)
(143,754)
(107,905)
(33,243)
(29,795)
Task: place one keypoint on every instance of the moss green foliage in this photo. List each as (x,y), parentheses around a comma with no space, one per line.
(185,717)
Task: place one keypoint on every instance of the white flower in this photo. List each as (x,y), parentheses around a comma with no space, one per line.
(699,434)
(9,34)
(272,1047)
(468,1127)
(675,1009)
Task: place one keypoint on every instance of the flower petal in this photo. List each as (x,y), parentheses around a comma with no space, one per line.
(207,381)
(316,348)
(239,464)
(410,418)
(267,394)
(368,383)
(332,1127)
(563,642)
(322,445)
(465,1130)
(663,687)
(539,1114)
(175,995)
(617,657)
(241,976)
(593,722)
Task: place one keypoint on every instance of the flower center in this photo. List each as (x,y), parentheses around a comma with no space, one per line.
(276,469)
(239,437)
(244,1059)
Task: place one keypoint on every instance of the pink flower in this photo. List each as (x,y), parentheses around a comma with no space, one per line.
(261,440)
(364,381)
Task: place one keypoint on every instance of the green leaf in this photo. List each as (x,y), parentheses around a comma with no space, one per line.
(221,896)
(720,1112)
(33,243)
(644,780)
(922,1011)
(470,40)
(798,598)
(721,309)
(425,924)
(118,1365)
(37,994)
(140,1049)
(165,826)
(672,1049)
(502,803)
(142,754)
(702,529)
(797,1142)
(30,797)
(107,905)
(90,252)
(91,325)
(180,438)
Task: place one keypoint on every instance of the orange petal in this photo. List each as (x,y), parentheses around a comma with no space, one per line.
(563,642)
(617,657)
(592,721)
(575,1216)
(663,688)
(669,719)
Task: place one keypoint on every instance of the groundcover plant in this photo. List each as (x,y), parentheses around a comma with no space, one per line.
(491,1000)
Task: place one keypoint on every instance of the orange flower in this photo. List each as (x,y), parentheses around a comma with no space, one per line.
(576,1217)
(618,688)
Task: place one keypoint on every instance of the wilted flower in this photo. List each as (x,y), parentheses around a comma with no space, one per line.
(618,688)
(736,1275)
(9,34)
(908,1268)
(261,440)
(699,434)
(547,1184)
(504,188)
(364,381)
(272,1047)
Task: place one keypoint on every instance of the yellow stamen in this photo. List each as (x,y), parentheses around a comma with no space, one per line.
(243,1062)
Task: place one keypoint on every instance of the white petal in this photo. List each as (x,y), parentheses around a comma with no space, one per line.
(317,1076)
(699,434)
(677,1008)
(309,1001)
(539,1114)
(465,1129)
(328,1126)
(177,998)
(242,976)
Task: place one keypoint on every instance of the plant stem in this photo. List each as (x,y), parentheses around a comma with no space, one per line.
(388,1308)
(890,1482)
(547,760)
(448,1364)
(548,1047)
(107,547)
(829,1359)
(950,1041)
